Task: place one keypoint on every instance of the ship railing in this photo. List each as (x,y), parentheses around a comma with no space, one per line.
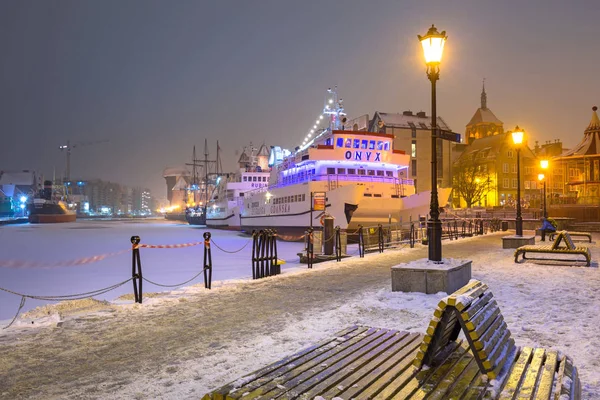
(344,178)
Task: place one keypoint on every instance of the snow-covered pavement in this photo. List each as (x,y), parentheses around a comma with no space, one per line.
(179,345)
(35,253)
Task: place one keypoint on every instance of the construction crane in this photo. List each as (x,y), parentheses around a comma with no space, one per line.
(67,148)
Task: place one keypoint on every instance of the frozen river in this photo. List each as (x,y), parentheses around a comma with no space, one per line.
(29,255)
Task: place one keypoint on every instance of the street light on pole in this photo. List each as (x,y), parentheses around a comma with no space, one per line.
(517,137)
(433,48)
(544,166)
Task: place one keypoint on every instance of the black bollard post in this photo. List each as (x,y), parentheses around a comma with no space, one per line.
(254,255)
(411,236)
(380,238)
(276,260)
(361,242)
(207,261)
(136,269)
(309,248)
(261,254)
(338,244)
(270,263)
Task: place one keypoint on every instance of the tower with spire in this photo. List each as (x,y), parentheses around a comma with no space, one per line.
(484,122)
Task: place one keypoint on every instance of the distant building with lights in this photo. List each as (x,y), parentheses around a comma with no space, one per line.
(412,134)
(576,179)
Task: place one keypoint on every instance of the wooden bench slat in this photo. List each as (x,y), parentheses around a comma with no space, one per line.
(314,367)
(476,306)
(483,327)
(441,390)
(265,384)
(344,334)
(333,377)
(418,387)
(397,367)
(374,369)
(497,325)
(531,376)
(465,381)
(516,374)
(544,386)
(481,315)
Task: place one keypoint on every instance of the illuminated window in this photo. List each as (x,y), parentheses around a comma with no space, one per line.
(389,173)
(380,145)
(510,154)
(364,144)
(371,172)
(526,184)
(356,144)
(505,168)
(351,171)
(413,149)
(515,183)
(514,168)
(372,145)
(505,183)
(361,171)
(341,171)
(348,143)
(386,146)
(379,173)
(340,142)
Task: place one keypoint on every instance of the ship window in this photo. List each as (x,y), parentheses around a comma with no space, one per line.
(361,172)
(340,142)
(351,171)
(387,146)
(371,172)
(245,179)
(264,178)
(356,144)
(380,145)
(348,142)
(328,142)
(379,173)
(253,179)
(303,197)
(364,144)
(389,173)
(371,145)
(341,171)
(330,171)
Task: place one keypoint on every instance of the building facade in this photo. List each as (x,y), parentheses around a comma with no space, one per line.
(412,134)
(576,172)
(484,122)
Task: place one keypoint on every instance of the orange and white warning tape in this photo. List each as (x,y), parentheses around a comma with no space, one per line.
(67,263)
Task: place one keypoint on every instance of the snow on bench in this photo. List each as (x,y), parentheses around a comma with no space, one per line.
(556,248)
(362,362)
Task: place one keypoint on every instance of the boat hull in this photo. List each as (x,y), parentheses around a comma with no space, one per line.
(51,218)
(348,206)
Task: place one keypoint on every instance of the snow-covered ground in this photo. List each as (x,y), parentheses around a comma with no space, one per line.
(30,258)
(187,342)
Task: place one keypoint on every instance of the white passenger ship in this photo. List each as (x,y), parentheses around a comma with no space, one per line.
(359,172)
(224,209)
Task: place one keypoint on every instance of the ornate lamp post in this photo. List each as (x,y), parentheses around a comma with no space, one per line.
(544,166)
(517,137)
(433,48)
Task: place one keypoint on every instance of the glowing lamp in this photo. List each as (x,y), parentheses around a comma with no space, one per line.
(321,117)
(23,199)
(544,164)
(433,45)
(22,206)
(517,135)
(541,177)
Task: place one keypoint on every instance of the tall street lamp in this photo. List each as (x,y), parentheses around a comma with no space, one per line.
(544,166)
(433,48)
(517,137)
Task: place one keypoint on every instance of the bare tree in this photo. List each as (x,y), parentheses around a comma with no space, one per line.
(471,183)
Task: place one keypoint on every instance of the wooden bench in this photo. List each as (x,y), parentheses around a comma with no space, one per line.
(572,233)
(372,363)
(556,248)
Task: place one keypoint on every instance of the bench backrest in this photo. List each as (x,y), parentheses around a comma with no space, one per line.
(473,310)
(564,237)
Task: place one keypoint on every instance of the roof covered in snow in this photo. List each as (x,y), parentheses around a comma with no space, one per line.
(407,120)
(25,177)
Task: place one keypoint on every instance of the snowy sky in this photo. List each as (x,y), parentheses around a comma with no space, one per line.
(154,78)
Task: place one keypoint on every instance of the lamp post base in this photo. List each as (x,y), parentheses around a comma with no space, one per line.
(434,235)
